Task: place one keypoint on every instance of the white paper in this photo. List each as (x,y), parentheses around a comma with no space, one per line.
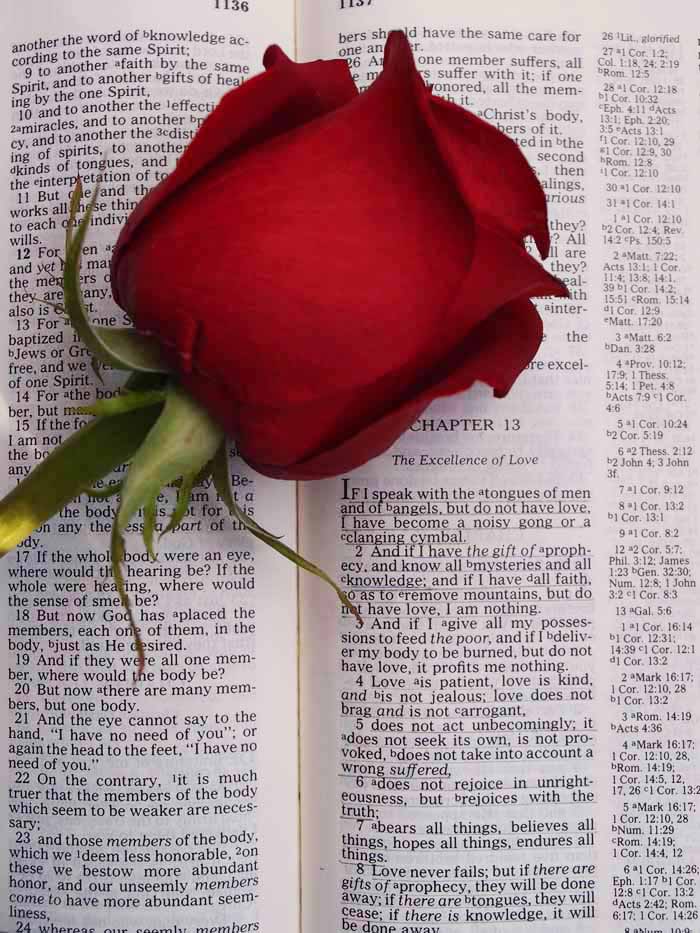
(564,794)
(170,803)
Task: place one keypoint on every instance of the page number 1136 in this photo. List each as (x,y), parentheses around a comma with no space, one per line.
(234,6)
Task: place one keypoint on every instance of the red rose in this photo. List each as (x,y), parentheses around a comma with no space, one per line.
(321,264)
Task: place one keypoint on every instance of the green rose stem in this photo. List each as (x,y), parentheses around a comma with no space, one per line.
(86,457)
(169,439)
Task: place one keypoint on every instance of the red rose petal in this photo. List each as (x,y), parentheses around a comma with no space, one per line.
(352,453)
(489,168)
(347,229)
(498,183)
(501,272)
(287,431)
(281,98)
(332,263)
(495,353)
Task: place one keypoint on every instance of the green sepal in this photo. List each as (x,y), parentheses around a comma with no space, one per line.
(181,442)
(105,493)
(73,208)
(118,404)
(182,503)
(132,350)
(59,309)
(119,347)
(149,526)
(222,484)
(117,554)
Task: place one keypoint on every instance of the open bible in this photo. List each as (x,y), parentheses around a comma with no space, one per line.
(510,740)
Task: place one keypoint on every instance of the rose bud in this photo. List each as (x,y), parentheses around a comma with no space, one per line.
(322,264)
(319,266)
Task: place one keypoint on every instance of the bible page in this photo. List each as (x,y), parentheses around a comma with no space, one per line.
(510,741)
(169,802)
